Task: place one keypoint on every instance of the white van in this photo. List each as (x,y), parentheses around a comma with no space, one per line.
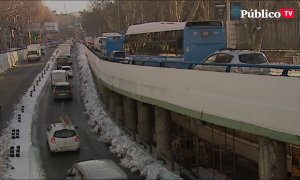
(58,76)
(34,52)
(96,169)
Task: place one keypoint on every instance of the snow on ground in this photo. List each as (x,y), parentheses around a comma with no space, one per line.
(27,165)
(131,155)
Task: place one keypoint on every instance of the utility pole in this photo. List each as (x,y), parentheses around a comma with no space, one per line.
(228,22)
(142,12)
(119,16)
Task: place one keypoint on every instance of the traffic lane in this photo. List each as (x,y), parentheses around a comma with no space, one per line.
(15,82)
(57,164)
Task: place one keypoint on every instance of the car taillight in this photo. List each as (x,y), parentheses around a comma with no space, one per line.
(53,140)
(77,139)
(238,69)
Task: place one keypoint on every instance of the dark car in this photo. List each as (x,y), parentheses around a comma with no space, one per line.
(117,56)
(62,90)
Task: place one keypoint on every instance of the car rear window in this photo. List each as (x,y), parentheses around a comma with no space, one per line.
(254,58)
(64,133)
(62,88)
(65,68)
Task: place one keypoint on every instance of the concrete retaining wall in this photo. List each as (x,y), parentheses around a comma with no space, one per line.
(9,59)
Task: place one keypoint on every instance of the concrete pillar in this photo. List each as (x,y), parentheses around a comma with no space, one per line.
(119,108)
(130,114)
(112,103)
(163,132)
(145,122)
(105,95)
(272,159)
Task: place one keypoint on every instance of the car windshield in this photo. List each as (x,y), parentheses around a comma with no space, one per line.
(32,52)
(64,133)
(254,58)
(62,88)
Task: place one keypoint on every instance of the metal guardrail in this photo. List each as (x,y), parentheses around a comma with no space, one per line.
(190,65)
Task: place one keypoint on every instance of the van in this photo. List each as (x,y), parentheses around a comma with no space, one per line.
(34,52)
(96,169)
(58,76)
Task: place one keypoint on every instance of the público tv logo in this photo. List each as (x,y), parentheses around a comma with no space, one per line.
(237,13)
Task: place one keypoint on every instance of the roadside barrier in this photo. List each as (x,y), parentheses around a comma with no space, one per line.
(8,60)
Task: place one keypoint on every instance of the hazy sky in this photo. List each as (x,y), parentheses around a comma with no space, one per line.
(71,6)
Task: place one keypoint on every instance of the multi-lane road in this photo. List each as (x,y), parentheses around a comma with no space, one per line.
(15,82)
(48,111)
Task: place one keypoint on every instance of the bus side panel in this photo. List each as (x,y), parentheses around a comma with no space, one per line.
(200,42)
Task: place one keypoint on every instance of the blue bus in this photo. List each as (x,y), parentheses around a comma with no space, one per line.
(183,41)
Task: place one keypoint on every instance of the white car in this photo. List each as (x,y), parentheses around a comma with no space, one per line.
(63,137)
(68,69)
(232,56)
(96,169)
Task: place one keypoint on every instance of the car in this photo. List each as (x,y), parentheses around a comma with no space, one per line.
(62,90)
(63,136)
(96,169)
(68,70)
(117,55)
(232,56)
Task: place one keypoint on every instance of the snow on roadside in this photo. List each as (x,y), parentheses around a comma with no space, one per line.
(131,155)
(27,165)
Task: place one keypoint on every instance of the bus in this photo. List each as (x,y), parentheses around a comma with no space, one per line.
(186,41)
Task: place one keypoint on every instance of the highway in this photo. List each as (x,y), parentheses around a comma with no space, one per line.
(49,111)
(15,82)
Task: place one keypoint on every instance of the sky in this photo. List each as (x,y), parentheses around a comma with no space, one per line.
(71,6)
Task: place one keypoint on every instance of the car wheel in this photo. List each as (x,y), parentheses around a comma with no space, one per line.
(50,152)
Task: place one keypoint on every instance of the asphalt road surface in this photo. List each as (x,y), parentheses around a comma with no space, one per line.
(49,111)
(15,82)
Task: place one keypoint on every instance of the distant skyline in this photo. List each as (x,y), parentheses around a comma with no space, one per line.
(71,6)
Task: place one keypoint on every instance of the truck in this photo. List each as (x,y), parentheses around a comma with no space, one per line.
(34,52)
(58,76)
(108,43)
(64,50)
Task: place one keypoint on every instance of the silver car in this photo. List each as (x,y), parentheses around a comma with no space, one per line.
(236,57)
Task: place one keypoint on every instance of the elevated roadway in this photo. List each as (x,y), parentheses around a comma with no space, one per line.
(261,105)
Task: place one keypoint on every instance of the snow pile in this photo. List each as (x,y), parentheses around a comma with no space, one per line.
(131,155)
(27,165)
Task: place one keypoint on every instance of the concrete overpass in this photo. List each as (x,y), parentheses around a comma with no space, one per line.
(265,106)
